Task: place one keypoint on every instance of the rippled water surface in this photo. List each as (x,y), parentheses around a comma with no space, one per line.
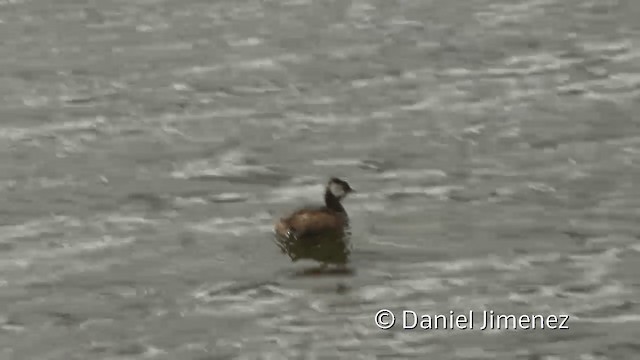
(147,146)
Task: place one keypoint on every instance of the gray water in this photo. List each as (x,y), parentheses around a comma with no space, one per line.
(147,147)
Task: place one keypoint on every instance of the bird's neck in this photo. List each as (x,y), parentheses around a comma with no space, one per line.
(332,202)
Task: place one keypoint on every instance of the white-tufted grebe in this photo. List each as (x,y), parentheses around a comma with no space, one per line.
(318,221)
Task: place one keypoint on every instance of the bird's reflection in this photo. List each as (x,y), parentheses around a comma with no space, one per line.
(330,250)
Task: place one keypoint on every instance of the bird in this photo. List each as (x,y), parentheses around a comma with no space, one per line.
(319,232)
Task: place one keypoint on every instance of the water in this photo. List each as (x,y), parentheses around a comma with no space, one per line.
(146,148)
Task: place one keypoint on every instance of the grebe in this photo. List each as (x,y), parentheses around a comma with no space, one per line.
(313,222)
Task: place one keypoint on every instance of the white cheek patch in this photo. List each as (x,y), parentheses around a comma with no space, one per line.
(336,190)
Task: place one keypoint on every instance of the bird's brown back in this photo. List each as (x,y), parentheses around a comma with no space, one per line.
(305,222)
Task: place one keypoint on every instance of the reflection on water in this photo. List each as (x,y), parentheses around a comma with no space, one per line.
(327,249)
